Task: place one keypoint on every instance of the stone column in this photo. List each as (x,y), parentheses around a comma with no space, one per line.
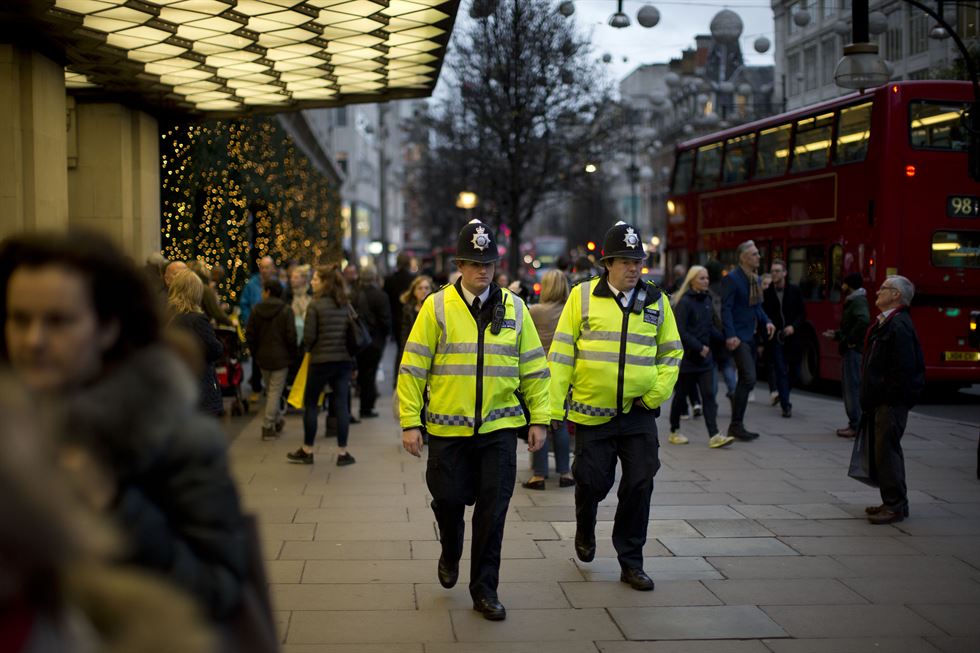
(33,174)
(114,187)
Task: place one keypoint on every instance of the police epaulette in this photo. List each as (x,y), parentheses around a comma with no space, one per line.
(654,296)
(589,280)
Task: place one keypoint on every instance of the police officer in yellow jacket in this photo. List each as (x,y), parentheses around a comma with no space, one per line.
(618,348)
(475,347)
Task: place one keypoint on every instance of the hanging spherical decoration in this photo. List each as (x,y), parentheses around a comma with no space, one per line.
(658,98)
(726,87)
(648,16)
(688,128)
(726,27)
(801,17)
(745,88)
(877,22)
(761,45)
(567,77)
(841,27)
(672,79)
(607,58)
(483,8)
(566,8)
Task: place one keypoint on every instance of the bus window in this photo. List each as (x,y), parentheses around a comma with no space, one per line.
(937,126)
(738,157)
(956,249)
(683,172)
(836,267)
(853,132)
(812,147)
(773,152)
(807,267)
(707,167)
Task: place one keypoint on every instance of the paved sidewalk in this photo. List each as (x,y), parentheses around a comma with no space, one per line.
(758,547)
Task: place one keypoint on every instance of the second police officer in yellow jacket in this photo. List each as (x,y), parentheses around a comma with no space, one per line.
(618,348)
(474,346)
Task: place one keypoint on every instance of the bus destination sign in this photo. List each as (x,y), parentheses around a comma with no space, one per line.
(962,206)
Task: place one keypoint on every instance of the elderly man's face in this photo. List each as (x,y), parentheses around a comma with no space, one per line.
(750,258)
(888,296)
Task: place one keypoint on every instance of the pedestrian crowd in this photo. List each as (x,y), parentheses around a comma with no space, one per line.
(130,367)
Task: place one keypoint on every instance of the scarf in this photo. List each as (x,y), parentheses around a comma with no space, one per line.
(755,289)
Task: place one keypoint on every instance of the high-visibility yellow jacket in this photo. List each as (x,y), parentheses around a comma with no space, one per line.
(611,355)
(472,374)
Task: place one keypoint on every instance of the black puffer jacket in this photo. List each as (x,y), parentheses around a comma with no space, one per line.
(372,307)
(325,331)
(271,334)
(210,393)
(695,317)
(893,370)
(176,502)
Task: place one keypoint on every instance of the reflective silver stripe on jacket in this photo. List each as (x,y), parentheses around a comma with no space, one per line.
(586,295)
(412,370)
(593,411)
(613,336)
(564,338)
(543,373)
(439,304)
(418,348)
(528,356)
(449,420)
(669,345)
(470,370)
(613,357)
(509,411)
(555,357)
(518,317)
(669,361)
(471,348)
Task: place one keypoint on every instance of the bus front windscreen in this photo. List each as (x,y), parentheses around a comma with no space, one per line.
(935,125)
(956,249)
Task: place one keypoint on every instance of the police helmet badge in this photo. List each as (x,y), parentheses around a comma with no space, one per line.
(631,239)
(480,239)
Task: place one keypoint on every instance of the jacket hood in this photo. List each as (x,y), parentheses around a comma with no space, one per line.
(134,409)
(269,308)
(860,292)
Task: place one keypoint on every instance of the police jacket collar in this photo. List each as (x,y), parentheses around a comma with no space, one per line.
(493,298)
(602,289)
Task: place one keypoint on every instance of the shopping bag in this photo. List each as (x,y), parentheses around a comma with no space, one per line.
(862,467)
(358,335)
(299,384)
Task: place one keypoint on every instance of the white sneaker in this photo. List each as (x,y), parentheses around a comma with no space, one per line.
(696,410)
(676,438)
(718,440)
(774,398)
(752,396)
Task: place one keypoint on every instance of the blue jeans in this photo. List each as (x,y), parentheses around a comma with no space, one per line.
(780,371)
(851,386)
(561,441)
(338,375)
(726,366)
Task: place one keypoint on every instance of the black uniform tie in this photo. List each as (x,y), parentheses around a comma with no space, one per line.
(620,297)
(476,304)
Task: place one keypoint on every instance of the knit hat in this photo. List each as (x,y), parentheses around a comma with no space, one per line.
(854,280)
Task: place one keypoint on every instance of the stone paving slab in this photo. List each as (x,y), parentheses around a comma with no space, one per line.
(957,620)
(541,625)
(729,528)
(923,566)
(512,549)
(369,627)
(968,644)
(917,590)
(786,591)
(722,622)
(726,546)
(615,594)
(512,647)
(693,646)
(663,568)
(851,621)
(780,567)
(354,648)
(852,545)
(516,596)
(377,596)
(852,645)
(604,549)
(346,550)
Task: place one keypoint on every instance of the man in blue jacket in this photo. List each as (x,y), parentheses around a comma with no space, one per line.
(741,311)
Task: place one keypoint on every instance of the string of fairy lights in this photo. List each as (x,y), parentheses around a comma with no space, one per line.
(227,183)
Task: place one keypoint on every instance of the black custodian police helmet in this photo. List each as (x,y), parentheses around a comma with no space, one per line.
(476,243)
(622,241)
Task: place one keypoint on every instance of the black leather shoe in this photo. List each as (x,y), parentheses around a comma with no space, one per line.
(637,579)
(886,517)
(585,546)
(877,510)
(739,432)
(448,572)
(788,412)
(491,609)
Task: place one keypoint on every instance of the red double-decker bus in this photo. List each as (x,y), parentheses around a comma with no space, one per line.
(875,183)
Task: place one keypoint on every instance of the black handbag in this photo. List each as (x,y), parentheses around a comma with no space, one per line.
(862,467)
(358,335)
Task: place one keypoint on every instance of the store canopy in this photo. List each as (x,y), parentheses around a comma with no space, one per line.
(233,57)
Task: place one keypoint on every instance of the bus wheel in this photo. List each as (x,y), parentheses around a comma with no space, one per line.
(810,363)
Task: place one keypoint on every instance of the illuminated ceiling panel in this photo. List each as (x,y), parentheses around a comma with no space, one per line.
(230,57)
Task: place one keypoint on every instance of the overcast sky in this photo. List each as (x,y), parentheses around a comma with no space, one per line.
(680,21)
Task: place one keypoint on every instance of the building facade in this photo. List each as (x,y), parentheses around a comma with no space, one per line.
(810,36)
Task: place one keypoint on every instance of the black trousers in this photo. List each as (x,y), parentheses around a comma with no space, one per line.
(463,471)
(594,469)
(888,428)
(690,384)
(367,377)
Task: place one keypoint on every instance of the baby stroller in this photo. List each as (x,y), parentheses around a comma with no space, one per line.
(229,369)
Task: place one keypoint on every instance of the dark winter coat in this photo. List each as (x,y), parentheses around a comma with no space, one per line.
(695,317)
(893,370)
(271,334)
(854,322)
(738,318)
(409,314)
(210,393)
(325,331)
(176,502)
(789,312)
(395,284)
(374,310)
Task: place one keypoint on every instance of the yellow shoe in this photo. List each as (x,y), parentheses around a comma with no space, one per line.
(677,438)
(718,440)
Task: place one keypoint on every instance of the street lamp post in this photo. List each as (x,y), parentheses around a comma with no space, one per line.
(861,68)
